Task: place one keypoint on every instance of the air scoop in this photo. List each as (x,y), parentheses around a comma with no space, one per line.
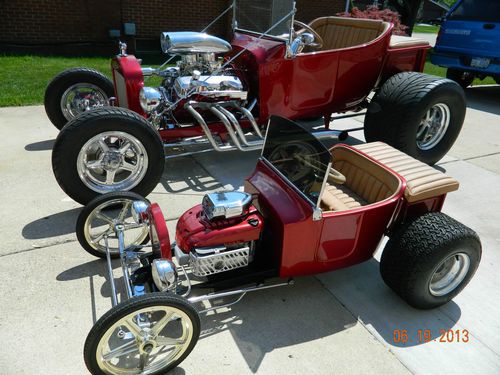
(189,42)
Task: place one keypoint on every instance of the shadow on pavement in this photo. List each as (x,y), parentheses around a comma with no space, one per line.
(291,315)
(484,98)
(279,318)
(52,225)
(40,146)
(185,174)
(361,289)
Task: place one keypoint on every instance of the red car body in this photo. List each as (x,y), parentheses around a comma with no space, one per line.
(299,245)
(309,84)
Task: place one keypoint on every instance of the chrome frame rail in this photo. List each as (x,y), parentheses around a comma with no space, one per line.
(242,292)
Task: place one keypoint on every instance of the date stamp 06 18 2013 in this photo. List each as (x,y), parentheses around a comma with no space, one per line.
(403,336)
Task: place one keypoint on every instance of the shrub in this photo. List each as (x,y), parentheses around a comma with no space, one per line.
(372,12)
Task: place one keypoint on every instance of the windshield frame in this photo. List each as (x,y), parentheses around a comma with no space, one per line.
(317,143)
(286,39)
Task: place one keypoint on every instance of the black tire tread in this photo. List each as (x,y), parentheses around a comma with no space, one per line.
(397,103)
(55,88)
(406,253)
(86,119)
(138,303)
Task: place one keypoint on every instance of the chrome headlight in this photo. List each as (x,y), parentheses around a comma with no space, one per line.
(149,98)
(139,212)
(164,274)
(225,204)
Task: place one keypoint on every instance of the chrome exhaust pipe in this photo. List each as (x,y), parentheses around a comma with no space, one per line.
(226,123)
(206,129)
(238,128)
(250,118)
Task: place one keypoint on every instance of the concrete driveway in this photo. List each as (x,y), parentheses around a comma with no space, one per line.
(340,322)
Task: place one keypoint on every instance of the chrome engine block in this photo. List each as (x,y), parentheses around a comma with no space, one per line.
(212,260)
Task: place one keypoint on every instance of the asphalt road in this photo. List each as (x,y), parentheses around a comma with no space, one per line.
(339,322)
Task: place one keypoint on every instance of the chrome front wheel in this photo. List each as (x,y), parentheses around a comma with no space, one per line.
(82,97)
(95,226)
(150,334)
(112,160)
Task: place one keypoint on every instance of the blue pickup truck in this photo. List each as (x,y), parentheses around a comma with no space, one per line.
(468,43)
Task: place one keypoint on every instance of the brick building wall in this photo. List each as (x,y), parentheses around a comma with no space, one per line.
(82,26)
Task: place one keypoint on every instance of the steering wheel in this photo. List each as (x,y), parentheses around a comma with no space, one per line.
(318,39)
(336,176)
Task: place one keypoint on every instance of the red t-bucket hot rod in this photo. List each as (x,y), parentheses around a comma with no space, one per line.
(221,95)
(305,210)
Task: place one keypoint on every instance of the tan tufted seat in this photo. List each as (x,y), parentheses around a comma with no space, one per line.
(338,32)
(366,182)
(399,41)
(422,181)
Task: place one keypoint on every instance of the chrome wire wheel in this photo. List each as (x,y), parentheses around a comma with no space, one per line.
(99,226)
(433,126)
(112,161)
(449,274)
(81,97)
(145,341)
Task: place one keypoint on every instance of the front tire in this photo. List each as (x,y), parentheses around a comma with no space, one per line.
(106,150)
(74,91)
(419,114)
(429,260)
(96,222)
(117,344)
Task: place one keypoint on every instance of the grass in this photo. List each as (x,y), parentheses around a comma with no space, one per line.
(431,29)
(23,79)
(441,72)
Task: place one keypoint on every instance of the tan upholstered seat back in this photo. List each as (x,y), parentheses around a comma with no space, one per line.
(340,32)
(422,181)
(365,178)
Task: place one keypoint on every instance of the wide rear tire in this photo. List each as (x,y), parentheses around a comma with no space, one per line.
(60,102)
(106,150)
(417,262)
(419,114)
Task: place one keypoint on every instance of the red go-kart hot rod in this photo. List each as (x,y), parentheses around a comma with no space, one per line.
(305,210)
(220,95)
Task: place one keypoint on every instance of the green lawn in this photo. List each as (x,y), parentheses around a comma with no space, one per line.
(441,72)
(23,79)
(426,29)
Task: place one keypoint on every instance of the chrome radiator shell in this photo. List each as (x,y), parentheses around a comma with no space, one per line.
(209,261)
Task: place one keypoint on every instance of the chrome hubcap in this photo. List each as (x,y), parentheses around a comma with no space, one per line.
(449,274)
(433,126)
(112,161)
(100,226)
(82,97)
(145,341)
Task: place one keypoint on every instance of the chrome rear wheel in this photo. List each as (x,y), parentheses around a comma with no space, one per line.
(449,274)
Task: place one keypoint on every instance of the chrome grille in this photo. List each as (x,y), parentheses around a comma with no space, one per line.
(206,262)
